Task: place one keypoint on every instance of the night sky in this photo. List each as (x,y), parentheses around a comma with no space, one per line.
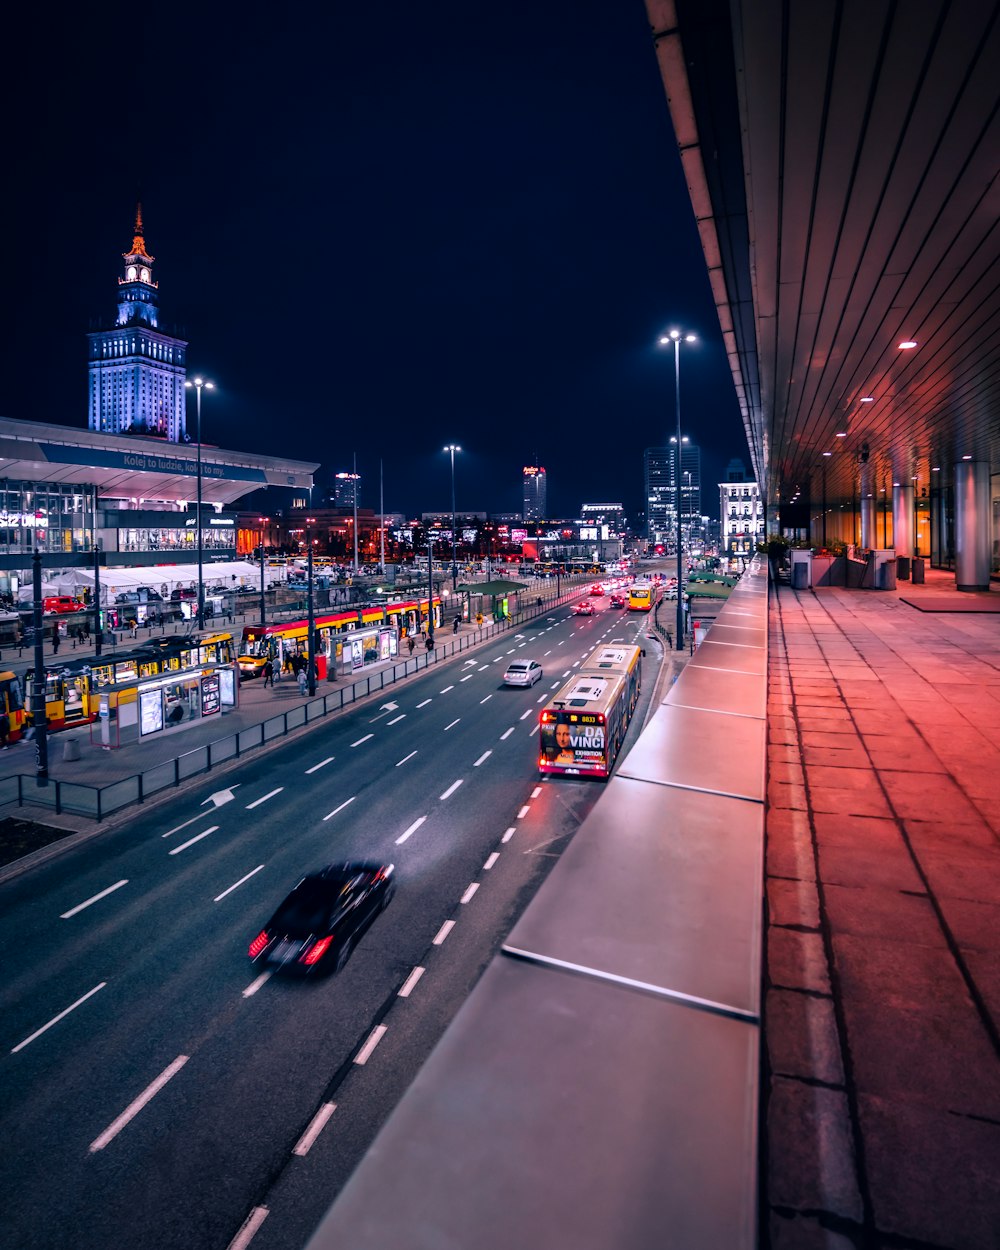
(382,228)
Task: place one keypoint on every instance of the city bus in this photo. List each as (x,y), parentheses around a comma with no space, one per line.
(12,702)
(582,727)
(640,596)
(73,690)
(372,632)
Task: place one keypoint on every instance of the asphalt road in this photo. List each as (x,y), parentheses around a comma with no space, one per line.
(159,1091)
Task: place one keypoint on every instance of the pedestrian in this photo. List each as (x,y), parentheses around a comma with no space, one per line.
(55,638)
(303,681)
(86,631)
(429,643)
(455,624)
(4,730)
(410,642)
(268,674)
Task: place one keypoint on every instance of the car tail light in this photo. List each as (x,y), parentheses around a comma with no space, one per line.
(258,944)
(316,951)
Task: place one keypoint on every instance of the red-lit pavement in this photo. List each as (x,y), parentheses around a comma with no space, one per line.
(882,1087)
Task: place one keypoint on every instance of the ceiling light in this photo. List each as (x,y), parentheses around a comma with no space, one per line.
(907,344)
(827,453)
(936,468)
(841,433)
(966,457)
(867,399)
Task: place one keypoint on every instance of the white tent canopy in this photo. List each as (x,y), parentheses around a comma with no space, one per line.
(164,578)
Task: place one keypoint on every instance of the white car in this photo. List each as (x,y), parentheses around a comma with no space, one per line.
(523,673)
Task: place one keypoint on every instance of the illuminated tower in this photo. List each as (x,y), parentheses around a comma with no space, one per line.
(136,373)
(534,493)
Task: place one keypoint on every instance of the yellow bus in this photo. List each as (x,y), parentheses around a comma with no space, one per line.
(582,727)
(640,596)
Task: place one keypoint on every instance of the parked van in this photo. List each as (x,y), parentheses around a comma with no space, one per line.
(61,604)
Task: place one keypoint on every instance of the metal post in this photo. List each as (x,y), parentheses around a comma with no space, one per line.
(97,601)
(430,589)
(381,523)
(201,553)
(311,621)
(263,620)
(355,493)
(38,678)
(680,554)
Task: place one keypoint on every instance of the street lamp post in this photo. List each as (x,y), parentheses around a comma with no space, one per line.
(452,447)
(263,620)
(675,338)
(199,384)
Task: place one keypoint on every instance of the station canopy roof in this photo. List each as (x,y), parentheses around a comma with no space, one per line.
(127,467)
(163,578)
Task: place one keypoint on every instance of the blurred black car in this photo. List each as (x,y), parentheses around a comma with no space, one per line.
(321,920)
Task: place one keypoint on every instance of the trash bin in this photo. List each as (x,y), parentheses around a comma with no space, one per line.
(918,570)
(800,575)
(71,749)
(903,568)
(887,575)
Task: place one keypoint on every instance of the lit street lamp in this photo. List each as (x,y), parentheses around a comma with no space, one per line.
(675,338)
(452,447)
(200,384)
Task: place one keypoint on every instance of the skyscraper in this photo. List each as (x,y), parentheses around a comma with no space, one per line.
(135,372)
(346,488)
(534,493)
(664,479)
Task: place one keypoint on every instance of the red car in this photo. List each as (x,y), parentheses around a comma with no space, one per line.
(617,601)
(586,608)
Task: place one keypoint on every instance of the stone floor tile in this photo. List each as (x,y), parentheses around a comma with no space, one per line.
(810,1150)
(919,796)
(791,772)
(824,777)
(958,871)
(887,865)
(801,1035)
(940,834)
(793,902)
(910,755)
(933,1177)
(884,913)
(861,831)
(975,926)
(851,755)
(782,820)
(836,738)
(847,802)
(804,1232)
(797,960)
(784,794)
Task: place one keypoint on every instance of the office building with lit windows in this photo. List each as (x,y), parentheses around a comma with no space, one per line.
(742,512)
(533,481)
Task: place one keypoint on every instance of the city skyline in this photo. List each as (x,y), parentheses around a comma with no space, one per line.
(365,245)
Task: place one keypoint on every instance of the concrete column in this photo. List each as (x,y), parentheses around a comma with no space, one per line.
(902,520)
(972,525)
(869,530)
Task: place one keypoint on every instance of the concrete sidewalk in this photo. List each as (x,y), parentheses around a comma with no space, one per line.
(881,1118)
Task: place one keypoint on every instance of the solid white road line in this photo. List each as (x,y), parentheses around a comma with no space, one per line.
(322,764)
(523,812)
(412,829)
(443,932)
(341,807)
(491,861)
(360,740)
(482,759)
(452,725)
(270,795)
(315,1128)
(469,892)
(134,1107)
(508,834)
(507,734)
(486,700)
(406,757)
(424,704)
(103,894)
(536,792)
(248,1229)
(255,985)
(396,719)
(221,896)
(451,789)
(376,1035)
(191,841)
(55,1019)
(408,985)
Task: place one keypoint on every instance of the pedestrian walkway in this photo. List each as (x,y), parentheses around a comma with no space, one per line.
(881,1123)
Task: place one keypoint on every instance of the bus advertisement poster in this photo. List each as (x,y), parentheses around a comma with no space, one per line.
(211,701)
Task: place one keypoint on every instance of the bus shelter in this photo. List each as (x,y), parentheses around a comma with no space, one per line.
(138,709)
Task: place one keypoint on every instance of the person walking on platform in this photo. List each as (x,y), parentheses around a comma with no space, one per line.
(55,637)
(303,681)
(268,674)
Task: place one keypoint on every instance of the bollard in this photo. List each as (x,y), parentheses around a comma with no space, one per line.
(71,750)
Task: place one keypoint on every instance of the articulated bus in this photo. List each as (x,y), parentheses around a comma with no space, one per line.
(581,729)
(371,632)
(73,690)
(641,596)
(12,702)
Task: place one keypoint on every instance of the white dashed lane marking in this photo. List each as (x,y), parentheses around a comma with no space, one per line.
(412,829)
(341,807)
(322,764)
(451,789)
(360,740)
(406,757)
(263,799)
